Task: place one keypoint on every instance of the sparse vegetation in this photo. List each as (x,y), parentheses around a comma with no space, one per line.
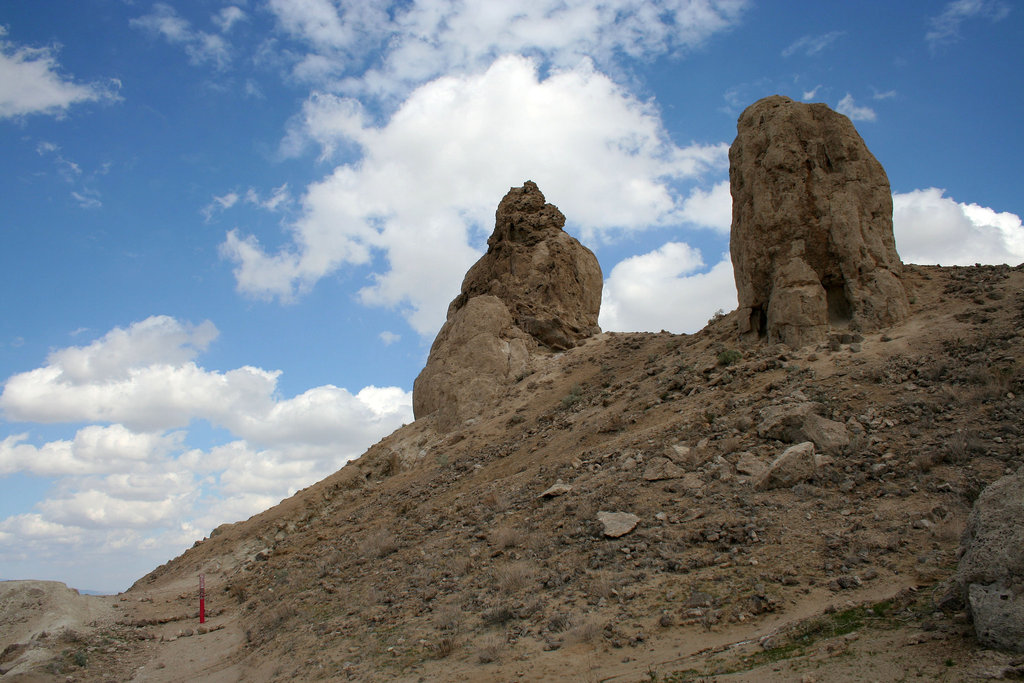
(492,650)
(378,543)
(574,396)
(514,577)
(505,537)
(586,631)
(729,356)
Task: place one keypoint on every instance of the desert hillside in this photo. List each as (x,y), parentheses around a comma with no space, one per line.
(438,556)
(822,485)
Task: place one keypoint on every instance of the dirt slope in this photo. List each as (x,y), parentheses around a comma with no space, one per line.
(433,557)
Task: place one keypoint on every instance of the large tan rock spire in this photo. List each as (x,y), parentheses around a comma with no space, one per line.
(812,242)
(537,288)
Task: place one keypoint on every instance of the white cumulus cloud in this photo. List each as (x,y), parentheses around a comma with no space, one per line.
(666,289)
(423,192)
(31,82)
(849,108)
(931,228)
(424,39)
(710,208)
(129,478)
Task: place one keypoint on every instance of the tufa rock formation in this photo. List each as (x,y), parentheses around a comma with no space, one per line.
(990,575)
(812,243)
(535,288)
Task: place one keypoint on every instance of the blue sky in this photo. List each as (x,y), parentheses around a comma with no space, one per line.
(230,230)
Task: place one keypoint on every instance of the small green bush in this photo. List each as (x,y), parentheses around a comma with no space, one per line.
(729,356)
(573,398)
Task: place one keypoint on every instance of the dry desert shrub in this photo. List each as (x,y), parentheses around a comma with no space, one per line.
(558,623)
(601,587)
(449,619)
(491,650)
(443,647)
(378,543)
(239,591)
(460,565)
(497,616)
(584,630)
(514,577)
(507,537)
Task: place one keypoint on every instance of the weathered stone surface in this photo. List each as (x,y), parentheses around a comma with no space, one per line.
(535,288)
(475,355)
(812,243)
(685,456)
(998,614)
(785,421)
(617,523)
(750,465)
(991,570)
(796,464)
(555,490)
(828,435)
(662,468)
(799,421)
(550,282)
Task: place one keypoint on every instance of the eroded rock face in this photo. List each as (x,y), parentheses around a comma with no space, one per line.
(536,288)
(990,575)
(477,351)
(812,243)
(550,282)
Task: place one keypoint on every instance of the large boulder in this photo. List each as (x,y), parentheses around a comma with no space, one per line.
(536,289)
(796,464)
(990,576)
(812,243)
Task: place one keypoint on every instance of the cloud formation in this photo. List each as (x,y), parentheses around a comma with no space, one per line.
(131,471)
(425,39)
(31,82)
(945,27)
(422,194)
(850,108)
(200,46)
(666,289)
(931,228)
(710,208)
(812,45)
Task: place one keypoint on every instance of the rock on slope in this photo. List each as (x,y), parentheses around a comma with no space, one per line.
(812,242)
(991,570)
(535,289)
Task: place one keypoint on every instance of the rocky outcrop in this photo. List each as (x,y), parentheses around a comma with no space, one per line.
(990,575)
(537,288)
(798,422)
(812,243)
(796,464)
(550,282)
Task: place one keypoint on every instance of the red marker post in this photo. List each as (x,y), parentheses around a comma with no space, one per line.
(202,599)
